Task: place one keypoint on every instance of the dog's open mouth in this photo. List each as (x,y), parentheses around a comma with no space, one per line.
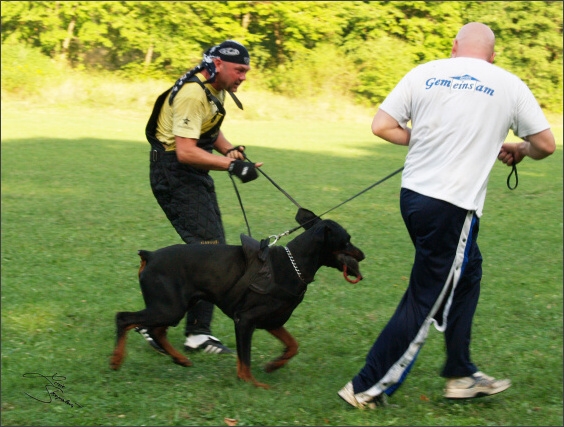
(350,268)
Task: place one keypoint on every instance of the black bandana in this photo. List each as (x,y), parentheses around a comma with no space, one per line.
(228,51)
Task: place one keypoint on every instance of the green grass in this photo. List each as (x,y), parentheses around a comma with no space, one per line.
(76,206)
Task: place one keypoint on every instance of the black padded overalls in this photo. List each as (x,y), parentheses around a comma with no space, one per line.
(187,196)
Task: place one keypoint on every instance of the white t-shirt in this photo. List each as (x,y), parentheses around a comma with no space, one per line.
(461,110)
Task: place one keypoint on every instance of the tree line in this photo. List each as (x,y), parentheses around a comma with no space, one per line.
(298,48)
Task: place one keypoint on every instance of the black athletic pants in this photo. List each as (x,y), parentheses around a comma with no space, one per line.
(443,291)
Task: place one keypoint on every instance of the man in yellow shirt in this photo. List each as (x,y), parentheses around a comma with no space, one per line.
(184,130)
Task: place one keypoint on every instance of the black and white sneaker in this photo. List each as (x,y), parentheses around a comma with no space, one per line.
(147,335)
(206,343)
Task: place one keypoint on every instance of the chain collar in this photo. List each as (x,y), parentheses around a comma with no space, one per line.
(294,264)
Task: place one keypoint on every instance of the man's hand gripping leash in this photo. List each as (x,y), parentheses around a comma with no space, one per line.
(245,171)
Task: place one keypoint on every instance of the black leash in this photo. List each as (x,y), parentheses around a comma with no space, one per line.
(240,204)
(273,183)
(513,171)
(339,205)
(364,191)
(296,203)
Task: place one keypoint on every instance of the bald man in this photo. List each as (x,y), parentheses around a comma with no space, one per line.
(461,110)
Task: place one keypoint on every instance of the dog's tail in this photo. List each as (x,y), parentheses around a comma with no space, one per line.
(144,258)
(144,254)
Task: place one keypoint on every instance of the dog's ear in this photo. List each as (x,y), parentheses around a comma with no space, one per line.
(306,218)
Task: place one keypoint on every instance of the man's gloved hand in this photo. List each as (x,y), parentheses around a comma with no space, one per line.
(245,171)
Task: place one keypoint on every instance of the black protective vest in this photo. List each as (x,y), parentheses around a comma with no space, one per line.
(206,140)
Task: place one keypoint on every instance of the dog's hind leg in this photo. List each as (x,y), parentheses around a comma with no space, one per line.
(146,318)
(159,334)
(290,351)
(123,325)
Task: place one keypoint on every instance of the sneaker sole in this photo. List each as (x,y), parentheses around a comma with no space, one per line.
(209,349)
(343,395)
(347,397)
(475,392)
(157,348)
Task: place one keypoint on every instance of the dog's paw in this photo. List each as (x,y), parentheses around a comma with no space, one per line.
(183,362)
(251,379)
(262,385)
(115,361)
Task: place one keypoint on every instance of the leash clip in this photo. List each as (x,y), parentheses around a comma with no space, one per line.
(277,237)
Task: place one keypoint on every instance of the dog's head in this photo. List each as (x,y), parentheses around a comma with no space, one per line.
(339,252)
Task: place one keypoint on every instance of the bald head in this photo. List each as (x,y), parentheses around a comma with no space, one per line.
(474,40)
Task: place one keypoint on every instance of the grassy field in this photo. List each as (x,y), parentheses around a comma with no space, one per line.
(76,206)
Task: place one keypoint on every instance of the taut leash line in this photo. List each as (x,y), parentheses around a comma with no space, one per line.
(273,183)
(285,233)
(364,191)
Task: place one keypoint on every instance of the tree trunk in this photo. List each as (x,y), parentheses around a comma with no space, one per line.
(245,21)
(149,56)
(279,42)
(67,40)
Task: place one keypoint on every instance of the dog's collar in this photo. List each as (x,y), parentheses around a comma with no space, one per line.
(294,264)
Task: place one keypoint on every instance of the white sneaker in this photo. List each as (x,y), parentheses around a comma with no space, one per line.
(145,333)
(476,385)
(361,400)
(206,343)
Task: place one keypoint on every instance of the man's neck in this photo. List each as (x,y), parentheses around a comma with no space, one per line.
(215,84)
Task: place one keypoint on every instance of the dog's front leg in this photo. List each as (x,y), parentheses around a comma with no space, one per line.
(290,351)
(244,334)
